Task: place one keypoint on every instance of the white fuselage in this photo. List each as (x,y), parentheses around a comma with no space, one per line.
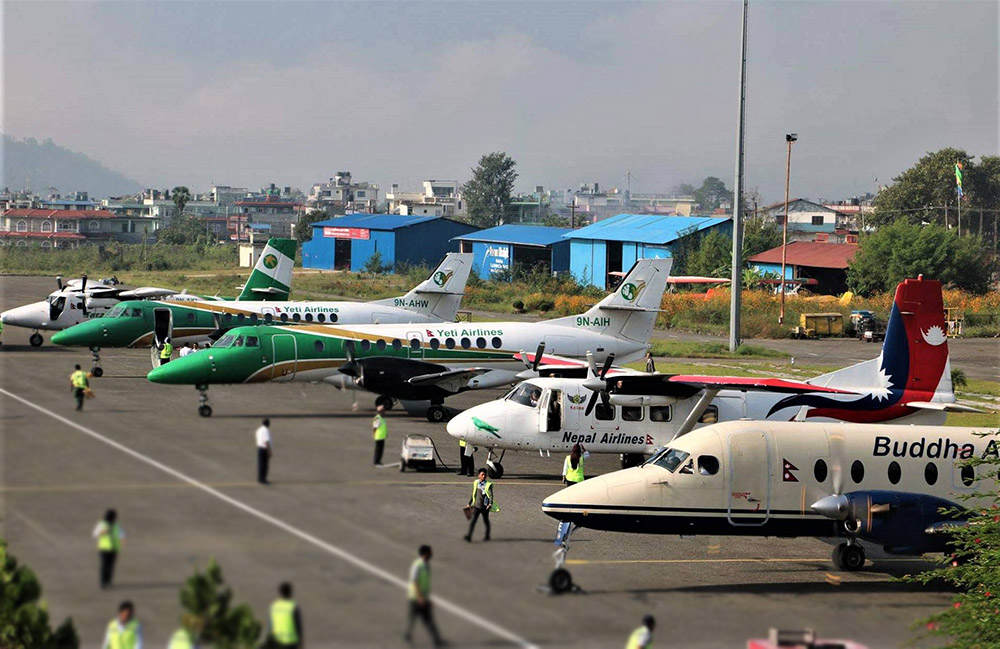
(62,309)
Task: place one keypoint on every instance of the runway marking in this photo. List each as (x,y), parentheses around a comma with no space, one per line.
(584,562)
(454,609)
(231,485)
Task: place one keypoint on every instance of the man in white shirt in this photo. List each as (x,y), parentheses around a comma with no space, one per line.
(185,350)
(263,451)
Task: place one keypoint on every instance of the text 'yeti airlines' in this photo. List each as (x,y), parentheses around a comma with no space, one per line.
(635,413)
(430,362)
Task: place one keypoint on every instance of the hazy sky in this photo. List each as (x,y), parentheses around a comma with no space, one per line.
(246,93)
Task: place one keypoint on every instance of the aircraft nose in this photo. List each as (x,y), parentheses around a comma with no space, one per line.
(81,335)
(458,426)
(193,369)
(29,315)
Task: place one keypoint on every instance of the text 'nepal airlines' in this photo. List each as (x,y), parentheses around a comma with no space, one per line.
(909,382)
(887,485)
(430,362)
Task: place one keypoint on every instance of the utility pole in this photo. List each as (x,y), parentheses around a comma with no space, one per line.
(572,214)
(789,138)
(736,285)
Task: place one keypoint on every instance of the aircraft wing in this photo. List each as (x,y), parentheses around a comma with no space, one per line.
(695,279)
(145,292)
(752,383)
(454,380)
(563,366)
(941,407)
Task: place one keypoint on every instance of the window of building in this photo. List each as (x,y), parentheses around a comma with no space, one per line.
(851,238)
(46,244)
(817,219)
(46,226)
(66,226)
(22,226)
(930,473)
(822,237)
(895,472)
(659,413)
(604,413)
(820,471)
(857,471)
(94,226)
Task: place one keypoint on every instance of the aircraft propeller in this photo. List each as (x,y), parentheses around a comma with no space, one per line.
(597,383)
(83,292)
(59,282)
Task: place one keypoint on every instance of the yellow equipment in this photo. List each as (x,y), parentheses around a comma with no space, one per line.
(823,324)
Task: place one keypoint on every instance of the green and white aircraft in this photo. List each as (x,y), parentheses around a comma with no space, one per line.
(135,324)
(428,362)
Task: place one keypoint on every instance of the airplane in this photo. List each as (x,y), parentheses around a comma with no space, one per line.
(634,413)
(881,485)
(428,362)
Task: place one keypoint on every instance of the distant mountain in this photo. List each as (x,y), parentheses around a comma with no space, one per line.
(26,163)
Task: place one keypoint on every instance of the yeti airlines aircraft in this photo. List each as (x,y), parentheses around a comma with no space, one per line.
(885,485)
(910,382)
(428,362)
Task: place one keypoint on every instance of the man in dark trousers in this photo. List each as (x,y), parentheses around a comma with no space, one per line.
(380,430)
(109,537)
(419,595)
(263,451)
(79,382)
(286,621)
(482,504)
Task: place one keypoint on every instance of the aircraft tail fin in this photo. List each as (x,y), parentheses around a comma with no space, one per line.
(439,295)
(271,279)
(630,311)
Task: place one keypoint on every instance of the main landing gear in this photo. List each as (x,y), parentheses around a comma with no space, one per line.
(849,556)
(95,356)
(437,413)
(36,339)
(388,402)
(494,469)
(560,581)
(204,409)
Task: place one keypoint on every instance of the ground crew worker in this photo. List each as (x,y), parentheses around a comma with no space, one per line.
(124,632)
(573,465)
(419,595)
(286,621)
(642,638)
(380,430)
(467,462)
(166,351)
(263,436)
(79,382)
(482,504)
(110,538)
(650,365)
(182,639)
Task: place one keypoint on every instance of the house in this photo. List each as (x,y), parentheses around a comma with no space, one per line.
(280,214)
(615,243)
(825,262)
(342,195)
(437,198)
(500,250)
(55,228)
(348,242)
(810,221)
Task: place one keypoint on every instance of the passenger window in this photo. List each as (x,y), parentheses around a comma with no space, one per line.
(333,317)
(191,317)
(820,471)
(136,313)
(309,317)
(252,341)
(321,318)
(284,317)
(708,465)
(435,343)
(348,347)
(296,317)
(968,475)
(466,343)
(319,345)
(857,471)
(229,317)
(241,318)
(414,343)
(930,473)
(710,416)
(366,345)
(894,472)
(481,342)
(449,343)
(268,318)
(496,342)
(380,345)
(397,344)
(631,413)
(659,413)
(602,413)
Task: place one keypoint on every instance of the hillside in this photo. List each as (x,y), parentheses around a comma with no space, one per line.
(46,164)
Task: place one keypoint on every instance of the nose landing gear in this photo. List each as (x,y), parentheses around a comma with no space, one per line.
(96,370)
(849,557)
(560,581)
(204,409)
(36,339)
(494,469)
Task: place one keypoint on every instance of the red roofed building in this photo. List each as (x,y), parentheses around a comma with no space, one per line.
(57,228)
(825,262)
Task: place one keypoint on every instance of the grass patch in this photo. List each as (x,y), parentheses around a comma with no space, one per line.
(981,386)
(685,349)
(974,419)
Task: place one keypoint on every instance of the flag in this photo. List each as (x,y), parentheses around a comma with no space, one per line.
(958,178)
(786,471)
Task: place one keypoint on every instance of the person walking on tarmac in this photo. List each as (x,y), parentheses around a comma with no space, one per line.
(110,538)
(124,632)
(380,430)
(182,639)
(482,504)
(166,351)
(573,465)
(642,638)
(419,596)
(286,621)
(263,436)
(79,382)
(465,458)
(650,365)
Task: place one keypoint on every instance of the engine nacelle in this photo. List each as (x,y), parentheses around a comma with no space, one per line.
(898,520)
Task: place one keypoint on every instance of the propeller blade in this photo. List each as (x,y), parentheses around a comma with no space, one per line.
(349,351)
(591,403)
(525,361)
(605,399)
(83,290)
(608,362)
(591,364)
(59,282)
(538,356)
(837,463)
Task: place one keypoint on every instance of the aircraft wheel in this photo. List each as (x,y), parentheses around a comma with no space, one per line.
(97,371)
(36,340)
(849,557)
(436,414)
(402,465)
(386,402)
(495,471)
(560,581)
(205,411)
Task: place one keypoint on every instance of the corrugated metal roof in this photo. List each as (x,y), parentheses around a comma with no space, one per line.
(374,221)
(810,253)
(646,228)
(522,235)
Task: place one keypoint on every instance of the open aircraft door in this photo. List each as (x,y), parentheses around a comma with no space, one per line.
(284,357)
(749,478)
(550,411)
(415,344)
(163,328)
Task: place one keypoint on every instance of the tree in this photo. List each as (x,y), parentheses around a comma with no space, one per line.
(713,257)
(983,185)
(972,621)
(552,219)
(24,620)
(919,193)
(185,229)
(903,249)
(759,235)
(303,229)
(684,189)
(712,194)
(488,193)
(209,615)
(180,196)
(373,265)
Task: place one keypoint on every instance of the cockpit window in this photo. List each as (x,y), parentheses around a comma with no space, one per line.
(669,459)
(526,394)
(225,341)
(115,311)
(136,312)
(252,341)
(238,342)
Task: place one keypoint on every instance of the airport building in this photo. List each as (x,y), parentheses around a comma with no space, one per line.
(825,262)
(348,242)
(499,251)
(601,252)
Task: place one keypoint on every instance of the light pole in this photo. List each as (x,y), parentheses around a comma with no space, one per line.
(789,138)
(736,284)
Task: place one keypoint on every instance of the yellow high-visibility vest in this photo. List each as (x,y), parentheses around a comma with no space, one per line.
(422,581)
(79,379)
(166,350)
(127,638)
(283,621)
(380,428)
(181,639)
(573,475)
(461,443)
(489,494)
(111,541)
(635,640)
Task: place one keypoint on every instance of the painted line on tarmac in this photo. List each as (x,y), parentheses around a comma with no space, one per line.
(595,562)
(346,556)
(274,486)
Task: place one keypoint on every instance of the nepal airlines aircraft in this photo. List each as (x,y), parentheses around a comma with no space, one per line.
(427,362)
(139,324)
(638,413)
(880,484)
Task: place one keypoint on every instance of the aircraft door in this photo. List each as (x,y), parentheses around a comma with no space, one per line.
(163,325)
(56,307)
(284,357)
(415,343)
(749,478)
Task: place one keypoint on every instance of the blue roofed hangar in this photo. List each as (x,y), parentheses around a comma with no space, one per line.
(499,251)
(348,242)
(600,252)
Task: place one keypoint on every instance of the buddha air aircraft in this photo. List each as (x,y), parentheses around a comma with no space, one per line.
(141,324)
(886,486)
(431,361)
(634,413)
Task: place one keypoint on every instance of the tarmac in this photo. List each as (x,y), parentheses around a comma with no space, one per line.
(344,532)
